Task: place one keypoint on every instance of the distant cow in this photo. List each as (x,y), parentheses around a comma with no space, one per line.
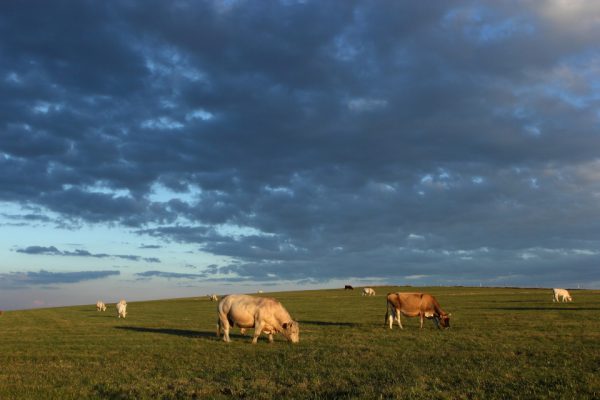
(368,291)
(100,306)
(261,313)
(562,294)
(122,308)
(212,297)
(348,287)
(422,305)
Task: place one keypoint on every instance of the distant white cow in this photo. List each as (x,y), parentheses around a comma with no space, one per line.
(100,306)
(562,294)
(261,313)
(122,308)
(368,292)
(260,291)
(212,297)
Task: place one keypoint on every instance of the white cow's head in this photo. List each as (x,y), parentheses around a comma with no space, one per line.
(291,331)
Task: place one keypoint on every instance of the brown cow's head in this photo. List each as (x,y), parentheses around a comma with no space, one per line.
(444,321)
(291,331)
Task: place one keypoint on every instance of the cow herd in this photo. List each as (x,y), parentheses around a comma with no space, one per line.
(121,307)
(269,316)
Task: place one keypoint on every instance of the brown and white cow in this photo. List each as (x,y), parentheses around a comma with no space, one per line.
(420,305)
(264,314)
(562,294)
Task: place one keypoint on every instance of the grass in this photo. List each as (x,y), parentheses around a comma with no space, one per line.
(504,343)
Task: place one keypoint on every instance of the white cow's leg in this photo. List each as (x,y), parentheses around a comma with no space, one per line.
(270,338)
(257,330)
(224,325)
(398,319)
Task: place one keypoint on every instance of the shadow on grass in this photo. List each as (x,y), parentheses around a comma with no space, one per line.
(177,332)
(545,308)
(328,323)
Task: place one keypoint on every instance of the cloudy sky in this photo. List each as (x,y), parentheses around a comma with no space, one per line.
(163,149)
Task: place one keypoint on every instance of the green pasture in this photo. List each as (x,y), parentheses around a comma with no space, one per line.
(503,344)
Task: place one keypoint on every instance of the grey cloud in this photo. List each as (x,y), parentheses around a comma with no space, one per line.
(15,280)
(53,251)
(169,275)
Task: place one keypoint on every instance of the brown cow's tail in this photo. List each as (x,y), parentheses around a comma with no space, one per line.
(387,312)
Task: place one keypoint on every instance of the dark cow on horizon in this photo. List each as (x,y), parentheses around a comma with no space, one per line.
(348,287)
(420,305)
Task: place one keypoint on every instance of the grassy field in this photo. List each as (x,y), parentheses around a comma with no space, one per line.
(504,343)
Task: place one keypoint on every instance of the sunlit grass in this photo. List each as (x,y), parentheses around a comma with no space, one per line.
(504,343)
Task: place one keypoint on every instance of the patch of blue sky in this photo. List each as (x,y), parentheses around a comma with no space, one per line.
(482,25)
(574,100)
(366,104)
(533,130)
(13,77)
(345,48)
(43,107)
(162,194)
(20,230)
(162,123)
(237,231)
(279,190)
(501,30)
(199,114)
(100,188)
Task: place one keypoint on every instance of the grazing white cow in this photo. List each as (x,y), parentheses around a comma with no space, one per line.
(260,291)
(420,305)
(100,306)
(261,313)
(368,291)
(562,294)
(122,308)
(213,297)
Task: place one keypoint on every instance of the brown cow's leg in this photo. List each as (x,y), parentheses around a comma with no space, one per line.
(421,315)
(398,313)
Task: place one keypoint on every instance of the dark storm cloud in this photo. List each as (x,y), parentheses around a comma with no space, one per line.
(15,280)
(53,251)
(314,140)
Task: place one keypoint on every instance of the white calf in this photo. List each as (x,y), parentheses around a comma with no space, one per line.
(122,308)
(368,292)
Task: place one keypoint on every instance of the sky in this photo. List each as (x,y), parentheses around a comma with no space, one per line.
(157,149)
